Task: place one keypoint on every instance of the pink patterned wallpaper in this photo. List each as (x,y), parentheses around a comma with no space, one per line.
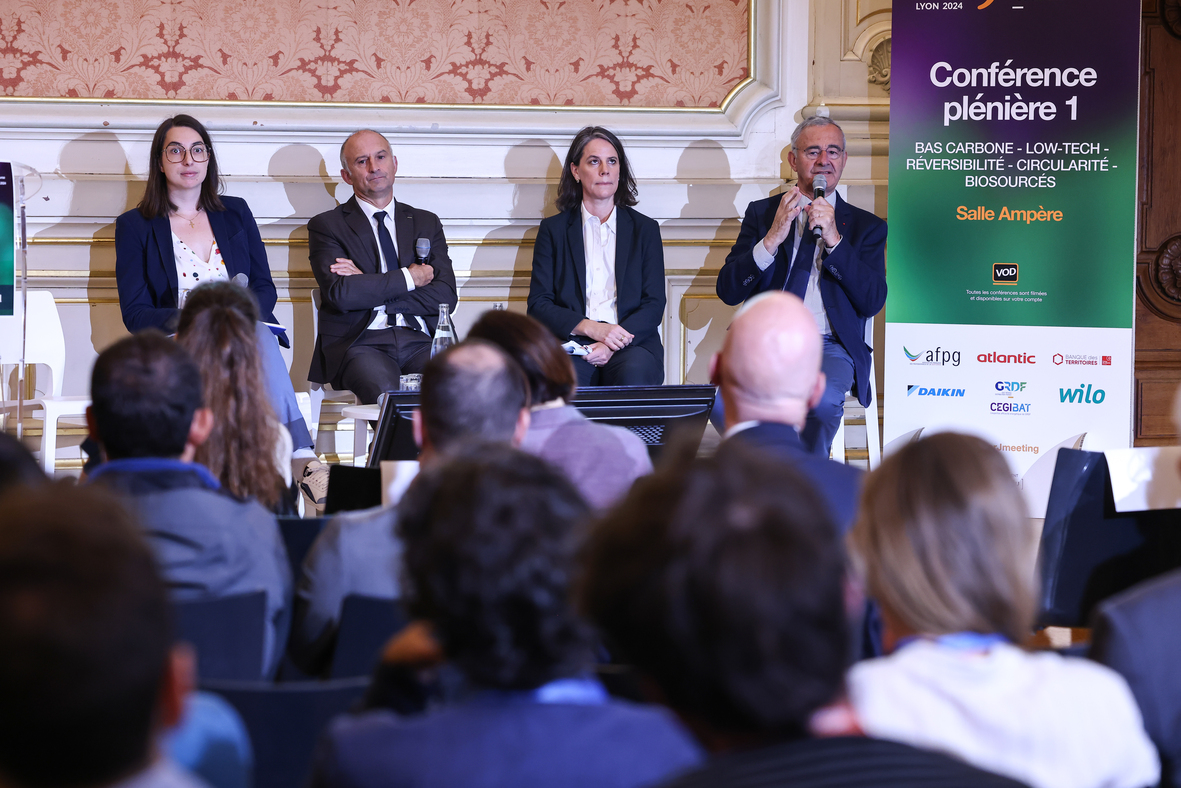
(652,53)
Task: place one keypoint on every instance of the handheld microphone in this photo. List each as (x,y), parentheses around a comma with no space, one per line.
(241,280)
(819,186)
(422,250)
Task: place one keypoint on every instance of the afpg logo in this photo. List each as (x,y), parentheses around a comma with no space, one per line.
(1007,388)
(1004,273)
(923,391)
(1080,397)
(933,358)
(1012,408)
(1007,358)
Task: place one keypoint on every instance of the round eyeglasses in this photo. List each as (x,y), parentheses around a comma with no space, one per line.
(175,152)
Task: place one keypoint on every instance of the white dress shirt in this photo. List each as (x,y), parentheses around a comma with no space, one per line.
(380,318)
(598,238)
(812,297)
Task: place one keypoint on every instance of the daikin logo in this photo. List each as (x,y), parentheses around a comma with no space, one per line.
(933,358)
(923,391)
(1080,397)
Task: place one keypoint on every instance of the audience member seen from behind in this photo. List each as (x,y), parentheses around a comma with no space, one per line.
(722,581)
(598,268)
(88,673)
(948,550)
(247,448)
(489,540)
(474,391)
(17,466)
(1132,634)
(184,233)
(149,419)
(601,460)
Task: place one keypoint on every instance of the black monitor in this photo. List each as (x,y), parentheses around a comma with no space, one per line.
(654,413)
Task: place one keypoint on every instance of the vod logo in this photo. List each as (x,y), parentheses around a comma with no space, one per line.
(1004,273)
(933,358)
(1079,397)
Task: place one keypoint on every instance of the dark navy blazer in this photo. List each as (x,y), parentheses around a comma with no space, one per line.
(145,267)
(852,278)
(557,290)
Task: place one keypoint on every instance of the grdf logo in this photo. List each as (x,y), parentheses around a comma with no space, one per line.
(1004,273)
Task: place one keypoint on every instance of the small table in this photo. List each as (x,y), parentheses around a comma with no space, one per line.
(361,416)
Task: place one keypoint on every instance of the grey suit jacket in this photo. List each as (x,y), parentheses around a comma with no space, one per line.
(347,302)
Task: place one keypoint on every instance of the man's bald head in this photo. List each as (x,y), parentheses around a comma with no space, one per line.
(473,392)
(769,366)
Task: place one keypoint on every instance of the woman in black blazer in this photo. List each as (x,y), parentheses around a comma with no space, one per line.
(609,298)
(215,236)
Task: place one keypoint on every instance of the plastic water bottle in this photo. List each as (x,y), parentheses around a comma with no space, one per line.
(444,332)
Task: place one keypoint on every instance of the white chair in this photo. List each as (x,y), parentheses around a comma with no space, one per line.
(45,344)
(873,440)
(321,391)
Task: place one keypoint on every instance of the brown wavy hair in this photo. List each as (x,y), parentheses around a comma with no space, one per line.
(156,201)
(241,449)
(570,191)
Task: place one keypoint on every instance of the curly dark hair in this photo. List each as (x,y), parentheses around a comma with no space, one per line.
(722,580)
(534,347)
(570,191)
(222,340)
(155,201)
(489,539)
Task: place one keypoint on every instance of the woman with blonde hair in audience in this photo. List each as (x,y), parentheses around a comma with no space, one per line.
(248,448)
(601,460)
(946,546)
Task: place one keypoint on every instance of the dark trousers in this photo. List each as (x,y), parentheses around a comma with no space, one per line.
(378,358)
(632,366)
(824,419)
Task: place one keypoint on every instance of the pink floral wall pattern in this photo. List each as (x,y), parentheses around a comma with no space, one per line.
(652,53)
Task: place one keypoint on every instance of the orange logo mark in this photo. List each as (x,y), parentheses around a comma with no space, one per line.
(986,4)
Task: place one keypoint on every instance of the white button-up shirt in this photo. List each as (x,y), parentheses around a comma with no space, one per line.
(380,318)
(598,239)
(812,297)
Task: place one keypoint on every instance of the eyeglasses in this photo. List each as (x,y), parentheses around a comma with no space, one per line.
(812,154)
(175,152)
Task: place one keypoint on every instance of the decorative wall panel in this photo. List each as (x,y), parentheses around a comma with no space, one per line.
(648,53)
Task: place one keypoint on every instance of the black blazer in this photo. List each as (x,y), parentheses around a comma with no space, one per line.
(557,290)
(145,267)
(347,302)
(852,278)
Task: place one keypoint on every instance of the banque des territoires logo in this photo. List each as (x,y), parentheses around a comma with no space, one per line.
(938,357)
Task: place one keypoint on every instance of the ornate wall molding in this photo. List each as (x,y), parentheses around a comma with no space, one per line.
(879,65)
(1160,286)
(1170,16)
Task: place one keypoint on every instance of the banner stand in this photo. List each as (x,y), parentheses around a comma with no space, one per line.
(27,182)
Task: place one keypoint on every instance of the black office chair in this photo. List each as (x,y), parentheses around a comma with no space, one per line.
(299,534)
(285,721)
(228,634)
(1088,550)
(366,623)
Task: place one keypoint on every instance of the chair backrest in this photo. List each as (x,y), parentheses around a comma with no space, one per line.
(285,722)
(366,623)
(299,534)
(315,312)
(45,343)
(228,633)
(1089,551)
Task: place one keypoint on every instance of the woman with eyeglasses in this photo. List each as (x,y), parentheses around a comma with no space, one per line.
(184,233)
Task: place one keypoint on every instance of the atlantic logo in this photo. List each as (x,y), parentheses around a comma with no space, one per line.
(923,391)
(1080,397)
(1007,358)
(933,358)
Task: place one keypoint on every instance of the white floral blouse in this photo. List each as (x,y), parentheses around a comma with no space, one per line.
(191,270)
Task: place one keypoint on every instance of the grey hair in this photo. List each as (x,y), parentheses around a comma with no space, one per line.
(816,120)
(343,164)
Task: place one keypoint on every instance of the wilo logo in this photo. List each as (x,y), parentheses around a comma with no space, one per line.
(1078,396)
(1004,273)
(933,358)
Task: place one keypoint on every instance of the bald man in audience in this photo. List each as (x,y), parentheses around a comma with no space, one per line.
(473,392)
(768,372)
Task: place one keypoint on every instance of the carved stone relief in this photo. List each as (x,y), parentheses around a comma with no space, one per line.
(1161,288)
(879,65)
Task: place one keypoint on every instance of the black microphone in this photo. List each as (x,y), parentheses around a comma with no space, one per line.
(819,186)
(422,250)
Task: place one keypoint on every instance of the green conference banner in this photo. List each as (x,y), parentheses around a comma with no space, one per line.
(7,240)
(1013,130)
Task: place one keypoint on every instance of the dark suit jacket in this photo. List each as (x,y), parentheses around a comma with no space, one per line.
(1135,633)
(557,291)
(347,302)
(838,484)
(145,267)
(852,278)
